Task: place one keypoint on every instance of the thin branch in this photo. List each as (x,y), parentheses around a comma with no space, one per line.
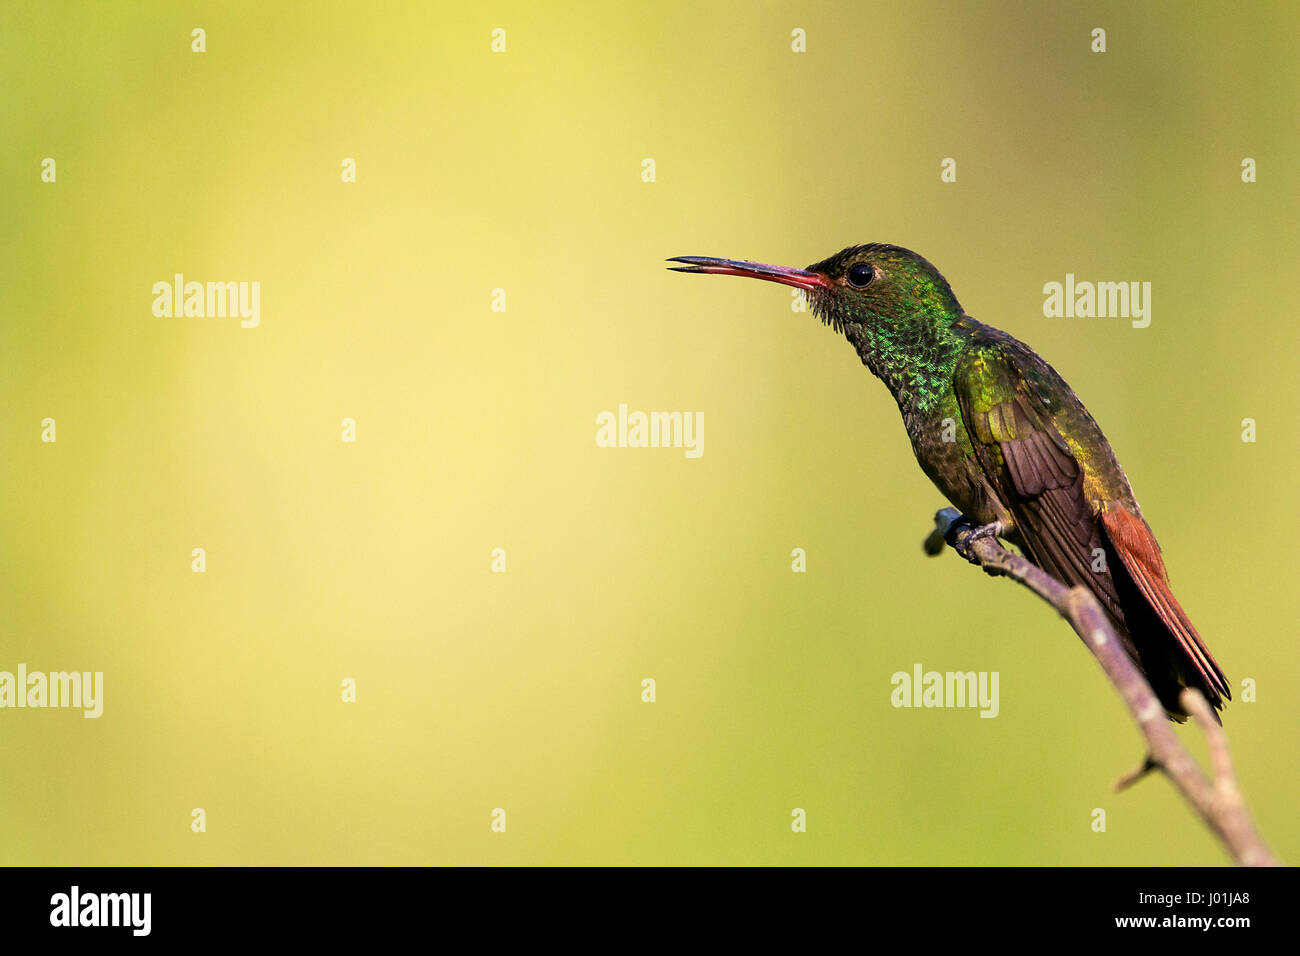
(1219,803)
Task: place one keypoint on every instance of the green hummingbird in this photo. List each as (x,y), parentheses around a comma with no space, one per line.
(1007,441)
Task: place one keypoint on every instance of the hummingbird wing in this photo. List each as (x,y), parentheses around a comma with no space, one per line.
(1053,469)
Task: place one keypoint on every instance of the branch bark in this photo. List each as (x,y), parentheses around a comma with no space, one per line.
(1217,801)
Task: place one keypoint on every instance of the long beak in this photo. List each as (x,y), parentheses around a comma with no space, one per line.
(799,278)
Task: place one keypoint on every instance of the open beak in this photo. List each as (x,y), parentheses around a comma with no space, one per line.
(799,278)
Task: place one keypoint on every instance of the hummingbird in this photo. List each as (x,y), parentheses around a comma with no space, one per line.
(1008,443)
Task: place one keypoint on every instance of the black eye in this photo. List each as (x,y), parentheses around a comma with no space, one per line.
(861,274)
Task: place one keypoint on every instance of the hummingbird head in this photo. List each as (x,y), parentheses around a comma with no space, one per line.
(895,308)
(858,289)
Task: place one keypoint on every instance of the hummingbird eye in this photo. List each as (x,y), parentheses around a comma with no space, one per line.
(861,275)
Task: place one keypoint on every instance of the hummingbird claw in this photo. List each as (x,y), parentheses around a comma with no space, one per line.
(991,530)
(962,533)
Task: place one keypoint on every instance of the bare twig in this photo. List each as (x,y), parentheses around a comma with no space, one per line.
(1219,803)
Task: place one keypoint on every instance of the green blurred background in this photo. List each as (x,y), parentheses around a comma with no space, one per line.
(475,429)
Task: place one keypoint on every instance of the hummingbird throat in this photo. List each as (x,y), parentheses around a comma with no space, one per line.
(914,353)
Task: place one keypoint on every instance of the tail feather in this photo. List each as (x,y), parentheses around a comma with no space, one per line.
(1136,546)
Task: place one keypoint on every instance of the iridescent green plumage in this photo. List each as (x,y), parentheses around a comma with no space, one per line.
(1007,441)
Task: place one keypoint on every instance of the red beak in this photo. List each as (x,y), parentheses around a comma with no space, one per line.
(799,278)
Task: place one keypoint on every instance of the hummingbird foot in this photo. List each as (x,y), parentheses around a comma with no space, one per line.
(993,529)
(961,532)
(953,528)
